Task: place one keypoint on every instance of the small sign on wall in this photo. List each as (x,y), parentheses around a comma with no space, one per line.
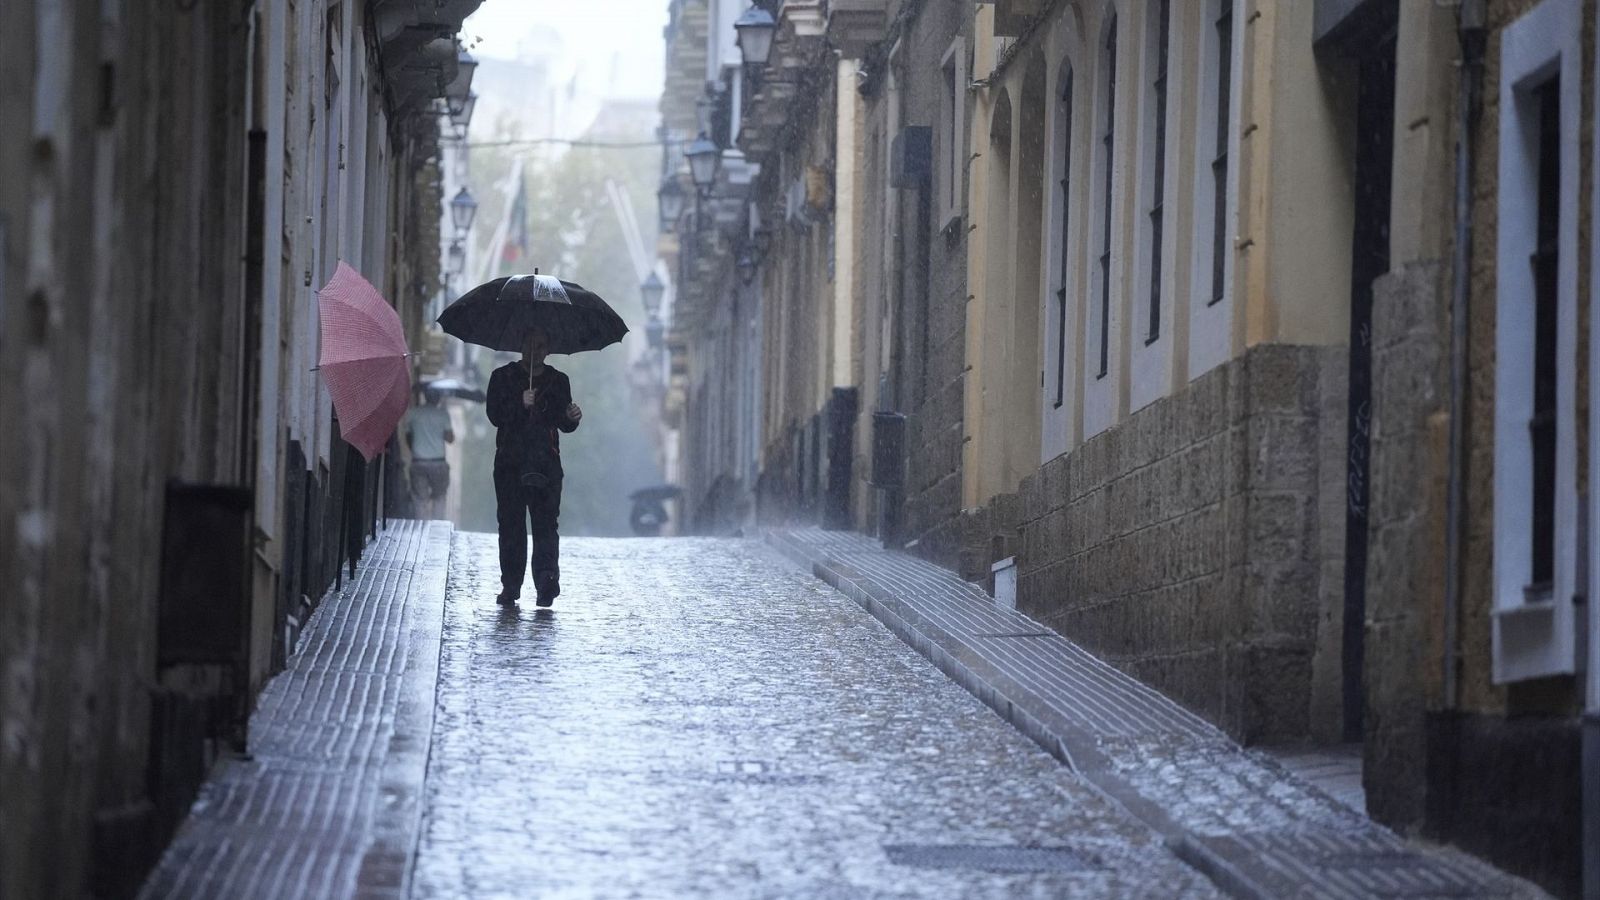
(1005,582)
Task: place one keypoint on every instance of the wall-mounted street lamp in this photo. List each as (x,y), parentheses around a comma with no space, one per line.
(755,30)
(456,260)
(460,88)
(747,264)
(655,333)
(762,238)
(461,114)
(651,292)
(462,211)
(704,159)
(669,201)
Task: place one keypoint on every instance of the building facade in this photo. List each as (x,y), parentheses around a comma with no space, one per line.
(177,182)
(1211,325)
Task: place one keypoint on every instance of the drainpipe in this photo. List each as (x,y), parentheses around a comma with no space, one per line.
(1470,30)
(1591,716)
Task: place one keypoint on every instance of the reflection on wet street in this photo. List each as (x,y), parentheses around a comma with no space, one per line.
(695,718)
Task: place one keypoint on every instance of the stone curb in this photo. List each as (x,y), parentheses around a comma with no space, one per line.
(1072,751)
(387,865)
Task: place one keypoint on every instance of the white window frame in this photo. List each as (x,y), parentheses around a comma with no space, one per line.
(1150,53)
(1151,356)
(953,133)
(1100,389)
(1531,638)
(1211,321)
(1063,257)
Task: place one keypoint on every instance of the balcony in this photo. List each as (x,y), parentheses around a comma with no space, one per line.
(417,41)
(856,25)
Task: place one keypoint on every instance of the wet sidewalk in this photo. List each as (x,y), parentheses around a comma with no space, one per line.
(327,803)
(1255,828)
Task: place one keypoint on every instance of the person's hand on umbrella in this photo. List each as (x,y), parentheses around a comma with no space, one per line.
(529,397)
(574,413)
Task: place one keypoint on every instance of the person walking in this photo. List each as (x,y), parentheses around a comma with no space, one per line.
(427,431)
(530,403)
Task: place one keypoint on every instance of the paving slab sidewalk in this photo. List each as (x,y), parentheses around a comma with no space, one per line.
(1249,824)
(328,802)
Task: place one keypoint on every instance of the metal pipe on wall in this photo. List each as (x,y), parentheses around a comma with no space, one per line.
(1470,29)
(1590,727)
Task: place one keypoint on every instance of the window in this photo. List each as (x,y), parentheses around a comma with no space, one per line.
(953,125)
(1065,145)
(1536,279)
(1157,163)
(1546,255)
(1222,73)
(1107,142)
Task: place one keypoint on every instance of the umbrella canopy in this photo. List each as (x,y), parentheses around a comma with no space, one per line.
(453,387)
(498,313)
(363,360)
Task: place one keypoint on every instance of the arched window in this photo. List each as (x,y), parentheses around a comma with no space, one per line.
(1108,144)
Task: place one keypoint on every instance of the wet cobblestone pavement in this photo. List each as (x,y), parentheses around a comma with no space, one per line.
(696,718)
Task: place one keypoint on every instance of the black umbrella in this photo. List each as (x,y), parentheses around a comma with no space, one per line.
(498,313)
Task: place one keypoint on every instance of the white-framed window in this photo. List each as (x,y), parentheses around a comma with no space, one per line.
(1105,175)
(1153,163)
(1063,260)
(1056,375)
(1536,304)
(1215,171)
(952,133)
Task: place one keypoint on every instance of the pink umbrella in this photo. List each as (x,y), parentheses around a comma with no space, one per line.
(363,360)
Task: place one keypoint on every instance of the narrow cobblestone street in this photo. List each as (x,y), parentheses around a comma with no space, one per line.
(705,717)
(698,718)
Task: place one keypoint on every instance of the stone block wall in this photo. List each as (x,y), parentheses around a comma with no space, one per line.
(1406,538)
(1190,544)
(931,365)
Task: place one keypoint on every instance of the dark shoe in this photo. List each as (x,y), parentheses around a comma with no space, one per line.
(549,589)
(508,598)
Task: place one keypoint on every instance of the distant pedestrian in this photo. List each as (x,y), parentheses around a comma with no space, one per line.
(531,404)
(427,431)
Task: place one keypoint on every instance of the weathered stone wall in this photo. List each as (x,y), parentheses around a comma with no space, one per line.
(137,337)
(931,314)
(796,307)
(1187,545)
(1406,538)
(121,174)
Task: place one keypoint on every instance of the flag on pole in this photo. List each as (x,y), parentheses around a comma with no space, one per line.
(515,248)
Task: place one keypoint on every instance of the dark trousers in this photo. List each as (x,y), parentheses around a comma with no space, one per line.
(516,507)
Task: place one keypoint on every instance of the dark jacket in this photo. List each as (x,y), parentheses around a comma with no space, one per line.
(529,439)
